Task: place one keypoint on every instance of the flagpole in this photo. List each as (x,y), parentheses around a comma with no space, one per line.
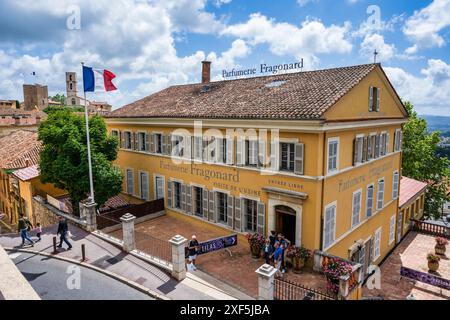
(86,116)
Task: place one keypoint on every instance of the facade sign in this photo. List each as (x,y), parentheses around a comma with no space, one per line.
(425,278)
(263,69)
(217,244)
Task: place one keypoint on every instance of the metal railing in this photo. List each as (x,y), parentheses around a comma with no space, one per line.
(155,247)
(431,228)
(287,290)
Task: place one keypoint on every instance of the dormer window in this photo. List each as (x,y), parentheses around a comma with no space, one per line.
(374,99)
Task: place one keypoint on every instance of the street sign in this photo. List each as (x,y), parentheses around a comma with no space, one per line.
(217,244)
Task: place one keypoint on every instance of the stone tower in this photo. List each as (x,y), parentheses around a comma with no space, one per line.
(35,97)
(71,88)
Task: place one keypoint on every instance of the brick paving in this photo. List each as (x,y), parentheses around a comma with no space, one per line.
(237,270)
(411,253)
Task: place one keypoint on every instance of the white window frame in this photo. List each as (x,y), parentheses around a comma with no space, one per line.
(398,139)
(155,187)
(392,229)
(359,151)
(380,207)
(367,200)
(325,222)
(332,140)
(377,244)
(139,133)
(395,189)
(353,208)
(147,198)
(125,140)
(127,182)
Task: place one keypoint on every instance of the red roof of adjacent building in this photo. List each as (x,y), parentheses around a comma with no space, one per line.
(410,188)
(19,149)
(28,173)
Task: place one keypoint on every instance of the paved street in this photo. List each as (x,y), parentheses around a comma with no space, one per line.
(54,279)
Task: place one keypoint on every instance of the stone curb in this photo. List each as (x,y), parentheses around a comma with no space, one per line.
(110,274)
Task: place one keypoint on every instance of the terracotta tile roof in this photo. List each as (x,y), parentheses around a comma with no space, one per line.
(113,203)
(18,147)
(28,173)
(302,95)
(409,188)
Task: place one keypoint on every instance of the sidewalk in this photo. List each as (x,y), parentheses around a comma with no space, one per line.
(106,256)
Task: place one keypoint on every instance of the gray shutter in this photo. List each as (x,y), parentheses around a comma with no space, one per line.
(147,142)
(378,99)
(121,139)
(387,144)
(135,141)
(230,150)
(299,158)
(205,203)
(355,152)
(188,199)
(237,214)
(169,145)
(370,98)
(274,156)
(164,144)
(169,193)
(230,209)
(377,146)
(240,151)
(211,212)
(261,219)
(152,143)
(365,149)
(262,153)
(183,197)
(187,152)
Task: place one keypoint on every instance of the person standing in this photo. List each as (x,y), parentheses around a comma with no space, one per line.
(38,231)
(273,238)
(62,231)
(23,226)
(277,257)
(267,251)
(193,249)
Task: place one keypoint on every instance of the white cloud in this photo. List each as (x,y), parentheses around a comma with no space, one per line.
(424,27)
(374,42)
(219,3)
(303,3)
(430,93)
(308,40)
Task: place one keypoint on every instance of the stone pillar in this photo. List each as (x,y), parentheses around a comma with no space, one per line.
(129,243)
(178,258)
(91,216)
(343,288)
(266,276)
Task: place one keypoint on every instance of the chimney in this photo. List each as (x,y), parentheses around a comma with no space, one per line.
(27,162)
(206,71)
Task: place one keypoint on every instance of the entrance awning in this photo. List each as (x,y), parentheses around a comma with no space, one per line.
(289,193)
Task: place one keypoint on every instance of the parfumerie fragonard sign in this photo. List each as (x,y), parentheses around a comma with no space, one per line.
(263,69)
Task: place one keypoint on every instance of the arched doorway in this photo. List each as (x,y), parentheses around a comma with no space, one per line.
(286,222)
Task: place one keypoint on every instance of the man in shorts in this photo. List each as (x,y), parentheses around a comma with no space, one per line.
(193,249)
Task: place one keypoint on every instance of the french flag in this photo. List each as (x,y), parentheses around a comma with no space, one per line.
(97,80)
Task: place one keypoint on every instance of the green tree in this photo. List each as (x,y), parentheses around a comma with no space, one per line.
(63,159)
(59,98)
(421,161)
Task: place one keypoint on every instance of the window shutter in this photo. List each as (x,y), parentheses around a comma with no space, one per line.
(238,214)
(377,146)
(205,203)
(274,156)
(164,144)
(355,153)
(299,156)
(378,99)
(218,150)
(240,151)
(395,186)
(187,152)
(152,138)
(400,144)
(188,199)
(230,209)
(122,139)
(386,148)
(230,150)
(169,194)
(380,196)
(365,149)
(370,99)
(183,197)
(147,142)
(169,144)
(261,219)
(134,141)
(211,212)
(262,157)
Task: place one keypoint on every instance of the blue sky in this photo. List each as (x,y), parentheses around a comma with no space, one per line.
(153,44)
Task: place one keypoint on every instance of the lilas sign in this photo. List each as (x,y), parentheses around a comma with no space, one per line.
(217,244)
(425,278)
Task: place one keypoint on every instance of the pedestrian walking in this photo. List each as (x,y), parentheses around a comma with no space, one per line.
(63,230)
(267,251)
(23,226)
(277,257)
(38,230)
(193,248)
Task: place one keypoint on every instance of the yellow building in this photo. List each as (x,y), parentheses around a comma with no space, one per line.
(314,155)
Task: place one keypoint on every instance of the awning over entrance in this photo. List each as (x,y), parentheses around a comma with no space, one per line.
(283,192)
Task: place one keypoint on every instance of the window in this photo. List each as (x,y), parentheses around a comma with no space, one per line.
(392,229)
(157,143)
(177,146)
(115,133)
(358,150)
(251,214)
(376,248)
(159,187)
(384,142)
(128,142)
(177,195)
(141,141)
(130,181)
(395,185)
(74,101)
(398,138)
(371,141)
(198,145)
(198,201)
(221,206)
(356,207)
(143,185)
(374,99)
(333,154)
(251,152)
(329,225)
(221,150)
(380,194)
(287,156)
(369,201)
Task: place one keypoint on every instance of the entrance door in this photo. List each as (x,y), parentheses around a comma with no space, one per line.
(399,226)
(286,222)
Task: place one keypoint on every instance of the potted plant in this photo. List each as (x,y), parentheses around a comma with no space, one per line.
(299,255)
(440,248)
(256,242)
(334,269)
(433,262)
